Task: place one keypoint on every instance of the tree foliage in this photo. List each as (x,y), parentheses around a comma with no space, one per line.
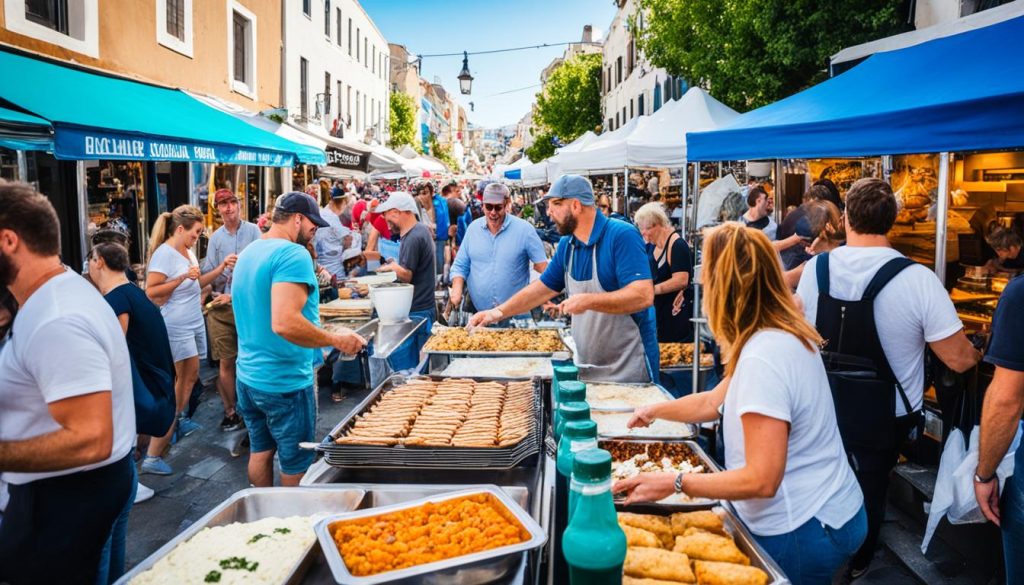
(569,104)
(542,147)
(403,120)
(443,154)
(749,53)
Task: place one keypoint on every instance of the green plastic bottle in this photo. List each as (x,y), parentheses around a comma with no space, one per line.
(568,391)
(577,435)
(594,545)
(563,374)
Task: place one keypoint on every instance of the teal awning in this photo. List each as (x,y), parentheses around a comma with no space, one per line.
(19,131)
(96,116)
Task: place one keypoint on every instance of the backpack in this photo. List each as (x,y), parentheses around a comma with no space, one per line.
(860,377)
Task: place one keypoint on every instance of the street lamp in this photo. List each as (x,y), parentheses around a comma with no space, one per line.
(465,79)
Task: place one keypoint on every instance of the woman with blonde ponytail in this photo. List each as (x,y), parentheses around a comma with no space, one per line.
(786,470)
(174,282)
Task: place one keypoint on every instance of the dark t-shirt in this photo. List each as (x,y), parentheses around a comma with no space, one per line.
(417,255)
(758,224)
(147,338)
(673,328)
(456,207)
(1006,348)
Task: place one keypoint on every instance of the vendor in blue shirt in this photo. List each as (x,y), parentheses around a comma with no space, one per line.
(602,266)
(496,254)
(427,199)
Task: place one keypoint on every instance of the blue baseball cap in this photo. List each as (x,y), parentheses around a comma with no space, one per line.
(572,187)
(298,202)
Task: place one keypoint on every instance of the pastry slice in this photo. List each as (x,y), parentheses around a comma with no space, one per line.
(705,546)
(713,573)
(656,563)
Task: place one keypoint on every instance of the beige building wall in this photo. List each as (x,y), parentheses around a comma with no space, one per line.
(127,45)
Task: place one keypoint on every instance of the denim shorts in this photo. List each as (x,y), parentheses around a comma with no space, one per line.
(280,420)
(814,552)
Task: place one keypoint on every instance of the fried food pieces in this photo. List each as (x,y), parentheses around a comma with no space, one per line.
(703,520)
(447,413)
(425,534)
(702,545)
(657,563)
(639,536)
(523,340)
(681,354)
(712,573)
(659,525)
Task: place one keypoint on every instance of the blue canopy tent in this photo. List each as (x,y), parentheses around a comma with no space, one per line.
(514,174)
(899,102)
(20,131)
(96,116)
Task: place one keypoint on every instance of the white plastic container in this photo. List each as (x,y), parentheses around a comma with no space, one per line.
(392,301)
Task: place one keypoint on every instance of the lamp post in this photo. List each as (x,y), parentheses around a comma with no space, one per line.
(465,78)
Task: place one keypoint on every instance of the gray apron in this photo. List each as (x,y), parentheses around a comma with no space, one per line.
(608,347)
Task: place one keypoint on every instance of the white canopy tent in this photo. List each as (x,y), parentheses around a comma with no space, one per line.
(417,163)
(535,175)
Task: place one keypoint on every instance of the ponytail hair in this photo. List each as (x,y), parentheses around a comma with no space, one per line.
(184,216)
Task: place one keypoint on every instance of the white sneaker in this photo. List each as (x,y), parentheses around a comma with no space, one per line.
(143,493)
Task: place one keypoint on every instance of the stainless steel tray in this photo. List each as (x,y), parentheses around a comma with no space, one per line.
(253,504)
(691,432)
(558,355)
(596,407)
(744,541)
(480,567)
(355,455)
(659,507)
(493,364)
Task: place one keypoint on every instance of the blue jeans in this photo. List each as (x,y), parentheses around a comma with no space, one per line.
(112,557)
(814,552)
(439,246)
(1012,521)
(407,356)
(280,420)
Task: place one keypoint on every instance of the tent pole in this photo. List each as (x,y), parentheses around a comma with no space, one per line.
(696,195)
(940,217)
(684,188)
(625,192)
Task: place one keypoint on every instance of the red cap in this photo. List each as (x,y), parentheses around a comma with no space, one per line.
(223,195)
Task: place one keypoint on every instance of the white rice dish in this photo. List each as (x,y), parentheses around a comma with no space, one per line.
(642,463)
(613,396)
(511,367)
(613,424)
(262,552)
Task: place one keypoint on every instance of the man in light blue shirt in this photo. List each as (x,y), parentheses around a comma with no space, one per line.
(496,254)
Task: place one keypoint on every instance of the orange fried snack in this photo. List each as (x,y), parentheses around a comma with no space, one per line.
(425,534)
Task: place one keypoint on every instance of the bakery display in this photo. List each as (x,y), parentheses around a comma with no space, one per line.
(427,533)
(457,339)
(453,412)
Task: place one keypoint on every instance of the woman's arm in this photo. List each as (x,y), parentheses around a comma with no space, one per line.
(159,288)
(695,408)
(765,440)
(123,320)
(371,252)
(678,282)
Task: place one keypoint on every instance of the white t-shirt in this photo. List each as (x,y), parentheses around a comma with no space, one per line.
(777,376)
(66,317)
(183,312)
(910,312)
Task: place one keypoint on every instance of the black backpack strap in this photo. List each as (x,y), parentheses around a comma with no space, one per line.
(887,272)
(821,269)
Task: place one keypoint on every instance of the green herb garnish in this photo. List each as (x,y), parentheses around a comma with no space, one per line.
(282,530)
(238,563)
(258,537)
(212,577)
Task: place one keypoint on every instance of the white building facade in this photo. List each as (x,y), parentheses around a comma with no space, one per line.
(630,85)
(336,69)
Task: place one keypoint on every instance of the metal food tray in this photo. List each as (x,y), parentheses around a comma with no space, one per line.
(250,505)
(658,507)
(665,393)
(480,567)
(355,455)
(744,541)
(557,355)
(692,434)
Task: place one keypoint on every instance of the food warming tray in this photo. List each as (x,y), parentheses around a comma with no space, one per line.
(563,354)
(356,455)
(744,541)
(690,433)
(658,507)
(250,505)
(480,567)
(594,406)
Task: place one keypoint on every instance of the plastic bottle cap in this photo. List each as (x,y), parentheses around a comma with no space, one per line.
(564,373)
(571,391)
(592,465)
(580,429)
(574,411)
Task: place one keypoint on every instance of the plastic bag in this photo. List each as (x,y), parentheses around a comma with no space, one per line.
(954,487)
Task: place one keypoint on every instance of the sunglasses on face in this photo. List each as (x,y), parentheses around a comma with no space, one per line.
(494,206)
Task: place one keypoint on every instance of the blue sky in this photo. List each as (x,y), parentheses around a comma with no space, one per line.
(426,27)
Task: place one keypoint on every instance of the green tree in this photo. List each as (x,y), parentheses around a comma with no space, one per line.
(749,53)
(569,104)
(403,120)
(443,154)
(541,148)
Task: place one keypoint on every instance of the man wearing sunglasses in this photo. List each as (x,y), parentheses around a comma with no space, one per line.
(496,254)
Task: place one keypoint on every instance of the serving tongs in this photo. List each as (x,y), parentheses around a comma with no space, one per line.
(347,357)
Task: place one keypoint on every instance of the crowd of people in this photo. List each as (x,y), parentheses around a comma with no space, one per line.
(784,302)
